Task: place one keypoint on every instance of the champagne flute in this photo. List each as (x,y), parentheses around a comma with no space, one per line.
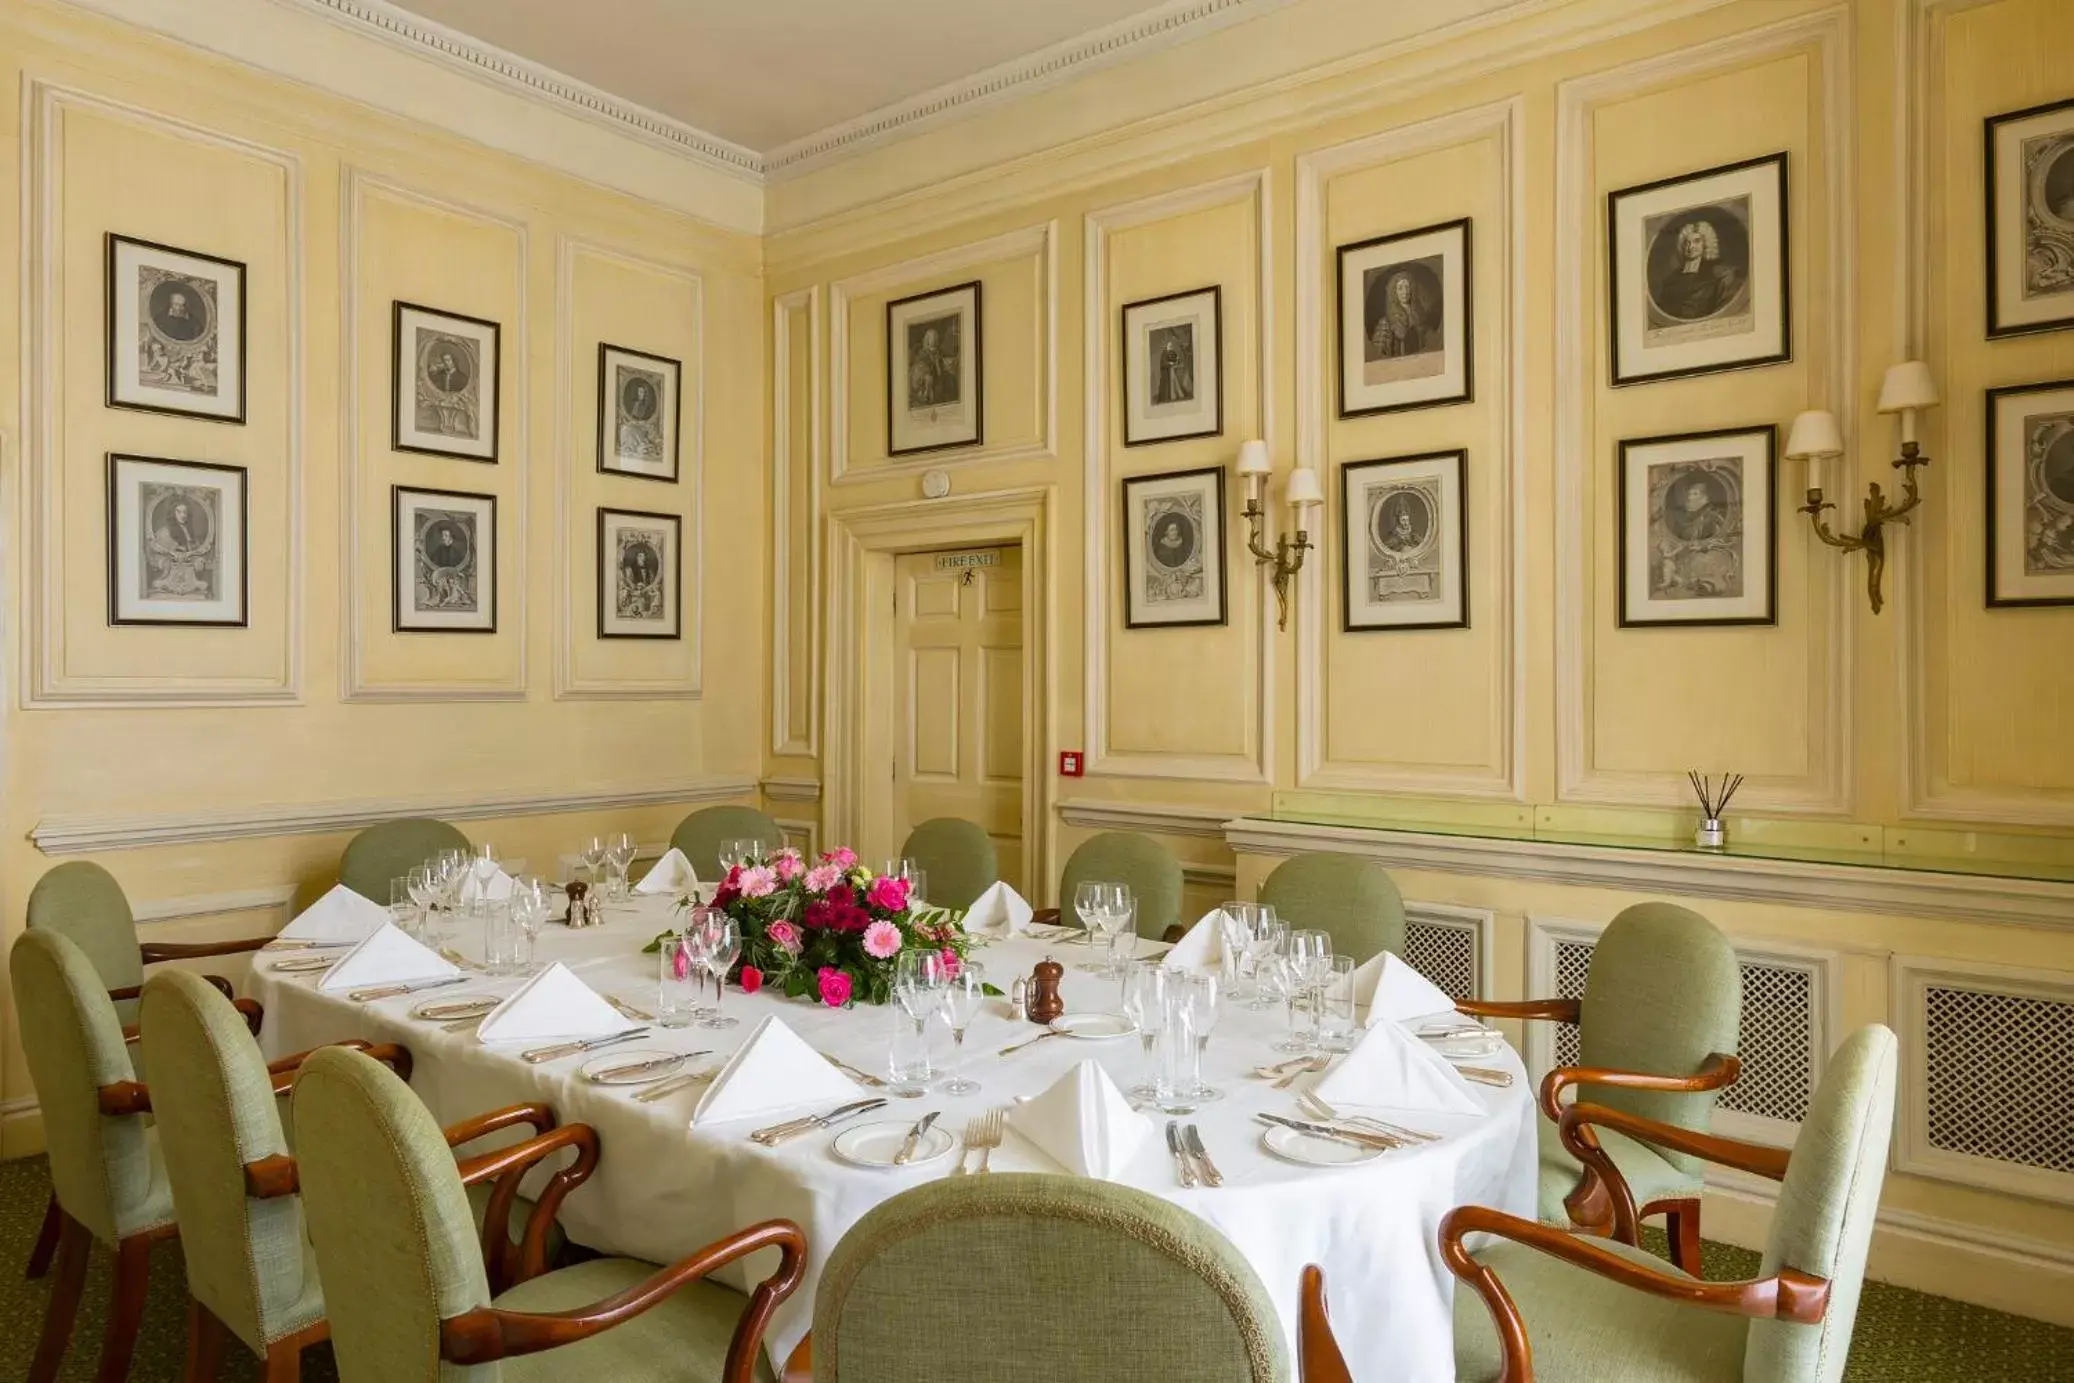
(593,857)
(1144,989)
(1205,1001)
(964,995)
(529,911)
(619,854)
(723,949)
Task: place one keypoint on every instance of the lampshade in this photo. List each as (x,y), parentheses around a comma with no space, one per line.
(1303,488)
(1253,458)
(1814,434)
(1907,385)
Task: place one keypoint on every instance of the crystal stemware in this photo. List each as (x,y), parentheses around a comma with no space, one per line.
(619,855)
(964,995)
(723,947)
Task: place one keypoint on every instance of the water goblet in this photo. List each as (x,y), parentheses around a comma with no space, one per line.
(677,981)
(964,995)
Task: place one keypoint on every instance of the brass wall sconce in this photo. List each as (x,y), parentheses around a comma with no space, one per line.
(1303,493)
(1816,438)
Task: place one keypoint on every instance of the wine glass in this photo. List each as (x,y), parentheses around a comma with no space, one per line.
(529,910)
(1144,989)
(902,868)
(1262,943)
(755,851)
(1205,1001)
(1118,921)
(619,855)
(1095,901)
(723,947)
(964,995)
(1307,961)
(732,855)
(482,867)
(401,911)
(593,857)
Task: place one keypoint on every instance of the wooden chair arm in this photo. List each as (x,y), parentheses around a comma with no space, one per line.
(487,1334)
(1318,1357)
(1715,1072)
(1047,917)
(254,1015)
(125,1097)
(272,1177)
(1547,1010)
(1787,1296)
(396,1058)
(507,1167)
(128,991)
(156,951)
(1575,1131)
(538,1117)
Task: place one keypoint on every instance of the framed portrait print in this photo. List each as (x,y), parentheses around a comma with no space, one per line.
(1406,335)
(1697,273)
(934,373)
(638,413)
(176,331)
(1173,367)
(640,566)
(1173,549)
(443,386)
(443,546)
(176,542)
(2030,232)
(1697,541)
(2030,508)
(1406,543)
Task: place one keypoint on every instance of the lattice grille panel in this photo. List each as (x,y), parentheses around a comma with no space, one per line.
(1445,953)
(2000,1076)
(1573,966)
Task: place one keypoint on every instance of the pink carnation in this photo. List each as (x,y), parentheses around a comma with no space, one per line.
(842,857)
(835,987)
(881,940)
(787,865)
(951,964)
(823,877)
(784,936)
(888,894)
(759,882)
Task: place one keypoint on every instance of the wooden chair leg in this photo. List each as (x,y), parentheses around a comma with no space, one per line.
(284,1361)
(125,1308)
(46,1238)
(1682,1225)
(73,1245)
(205,1340)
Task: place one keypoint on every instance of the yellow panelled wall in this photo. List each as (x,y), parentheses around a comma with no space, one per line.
(538,734)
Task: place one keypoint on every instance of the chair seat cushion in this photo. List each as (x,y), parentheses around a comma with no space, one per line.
(1647,1174)
(684,1337)
(1584,1328)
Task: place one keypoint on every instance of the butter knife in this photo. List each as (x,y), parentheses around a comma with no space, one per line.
(672,1086)
(1486,1075)
(914,1139)
(555,1053)
(1194,1138)
(635,1068)
(1337,1135)
(792,1128)
(391,991)
(1182,1165)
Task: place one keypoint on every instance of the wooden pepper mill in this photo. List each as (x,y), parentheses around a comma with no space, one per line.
(579,909)
(1046,1003)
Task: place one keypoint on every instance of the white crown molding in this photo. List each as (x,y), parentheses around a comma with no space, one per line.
(792,789)
(1158,818)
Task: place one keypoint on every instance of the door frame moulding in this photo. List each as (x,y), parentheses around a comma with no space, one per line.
(860,547)
(1258,767)
(788,739)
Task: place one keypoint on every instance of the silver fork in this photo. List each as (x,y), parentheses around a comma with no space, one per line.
(1316,1063)
(965,1144)
(1317,1108)
(987,1138)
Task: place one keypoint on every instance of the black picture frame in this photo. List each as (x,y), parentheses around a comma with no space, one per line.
(1996,328)
(396,497)
(1459,457)
(1123,362)
(1465,312)
(606,409)
(1781,356)
(1133,572)
(1630,445)
(397,308)
(676,523)
(979,372)
(1992,531)
(111,251)
(116,619)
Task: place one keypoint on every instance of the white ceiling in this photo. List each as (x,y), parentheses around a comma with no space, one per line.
(765,73)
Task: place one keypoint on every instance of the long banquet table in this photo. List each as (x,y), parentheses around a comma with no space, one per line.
(663,1188)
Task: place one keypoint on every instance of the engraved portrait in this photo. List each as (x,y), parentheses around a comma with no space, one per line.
(176,542)
(1698,272)
(1403,546)
(176,331)
(1407,324)
(446,562)
(638,572)
(638,594)
(444,383)
(1404,321)
(178,560)
(2048,224)
(1172,376)
(2049,494)
(1696,530)
(1698,541)
(449,385)
(1174,548)
(1405,523)
(935,377)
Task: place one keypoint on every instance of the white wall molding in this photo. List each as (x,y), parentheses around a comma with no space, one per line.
(1315,391)
(788,738)
(575,558)
(92,834)
(276,898)
(45,683)
(1825,36)
(1222,876)
(1154,818)
(1039,242)
(792,789)
(1256,766)
(1679,873)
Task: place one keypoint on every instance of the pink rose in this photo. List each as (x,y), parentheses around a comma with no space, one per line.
(784,936)
(835,987)
(823,877)
(890,895)
(787,865)
(751,979)
(680,964)
(951,964)
(881,940)
(842,857)
(758,882)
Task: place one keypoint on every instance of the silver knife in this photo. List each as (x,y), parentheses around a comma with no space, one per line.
(1181,1161)
(672,1086)
(634,1068)
(1194,1139)
(792,1128)
(556,1053)
(1338,1135)
(627,1010)
(914,1139)
(391,991)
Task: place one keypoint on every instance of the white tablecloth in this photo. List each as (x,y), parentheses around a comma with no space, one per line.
(663,1189)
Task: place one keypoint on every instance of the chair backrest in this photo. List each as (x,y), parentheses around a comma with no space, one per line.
(391,850)
(1125,857)
(1823,1223)
(1664,994)
(100,1165)
(957,855)
(388,1219)
(213,1102)
(82,902)
(700,834)
(1074,1279)
(1351,898)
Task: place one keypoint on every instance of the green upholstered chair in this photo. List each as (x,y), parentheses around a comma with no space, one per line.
(410,1300)
(106,1175)
(390,850)
(957,855)
(1350,898)
(1060,1278)
(1657,1028)
(1123,857)
(700,835)
(1543,1304)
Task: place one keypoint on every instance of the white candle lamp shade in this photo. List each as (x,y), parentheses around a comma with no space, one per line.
(1304,490)
(1814,437)
(1907,386)
(1254,459)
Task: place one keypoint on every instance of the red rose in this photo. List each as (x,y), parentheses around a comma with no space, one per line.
(751,979)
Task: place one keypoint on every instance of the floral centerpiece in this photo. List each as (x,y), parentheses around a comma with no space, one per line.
(831,931)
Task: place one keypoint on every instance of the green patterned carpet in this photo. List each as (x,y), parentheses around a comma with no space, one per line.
(1903,1336)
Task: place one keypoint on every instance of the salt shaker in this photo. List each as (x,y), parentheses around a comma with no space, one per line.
(1019,996)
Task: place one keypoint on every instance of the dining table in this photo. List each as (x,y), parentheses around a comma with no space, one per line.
(664,1188)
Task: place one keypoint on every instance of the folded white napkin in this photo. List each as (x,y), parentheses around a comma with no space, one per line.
(340,915)
(1390,1069)
(553,1006)
(1202,948)
(998,909)
(1389,988)
(1084,1123)
(774,1070)
(387,956)
(475,889)
(672,874)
